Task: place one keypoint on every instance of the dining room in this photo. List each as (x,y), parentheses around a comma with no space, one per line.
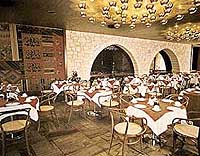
(99,77)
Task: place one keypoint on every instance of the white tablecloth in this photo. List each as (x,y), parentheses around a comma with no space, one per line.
(159,126)
(33,111)
(96,96)
(64,85)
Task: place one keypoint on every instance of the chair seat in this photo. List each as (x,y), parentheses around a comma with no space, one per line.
(133,128)
(15,125)
(110,104)
(46,91)
(76,103)
(155,94)
(46,108)
(187,130)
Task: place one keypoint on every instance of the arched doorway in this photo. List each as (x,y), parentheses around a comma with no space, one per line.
(112,61)
(165,62)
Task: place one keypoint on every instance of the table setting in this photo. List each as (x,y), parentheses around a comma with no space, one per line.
(158,112)
(21,102)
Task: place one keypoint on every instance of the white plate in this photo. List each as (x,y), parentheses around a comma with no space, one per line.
(198,92)
(28,100)
(31,97)
(101,91)
(156,110)
(134,101)
(172,108)
(140,106)
(197,88)
(167,100)
(140,99)
(12,104)
(177,104)
(190,89)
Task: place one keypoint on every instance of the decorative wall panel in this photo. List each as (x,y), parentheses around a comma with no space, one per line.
(5,43)
(43,55)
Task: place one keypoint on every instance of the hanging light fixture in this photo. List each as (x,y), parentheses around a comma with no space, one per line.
(133,12)
(185,32)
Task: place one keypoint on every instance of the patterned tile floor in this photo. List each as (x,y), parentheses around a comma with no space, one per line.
(83,137)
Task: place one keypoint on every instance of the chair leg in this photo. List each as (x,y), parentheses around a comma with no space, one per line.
(111,140)
(174,142)
(38,126)
(83,111)
(54,112)
(123,146)
(141,143)
(27,144)
(198,145)
(70,114)
(3,144)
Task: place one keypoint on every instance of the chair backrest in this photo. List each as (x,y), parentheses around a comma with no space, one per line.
(125,99)
(70,97)
(85,83)
(184,100)
(103,98)
(49,99)
(2,96)
(195,116)
(15,116)
(119,115)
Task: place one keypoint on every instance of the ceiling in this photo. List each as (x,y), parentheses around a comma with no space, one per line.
(66,14)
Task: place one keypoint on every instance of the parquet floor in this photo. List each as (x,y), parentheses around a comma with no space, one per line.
(82,137)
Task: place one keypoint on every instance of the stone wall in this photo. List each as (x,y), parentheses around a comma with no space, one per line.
(82,48)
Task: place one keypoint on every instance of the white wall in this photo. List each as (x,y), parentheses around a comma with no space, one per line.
(82,48)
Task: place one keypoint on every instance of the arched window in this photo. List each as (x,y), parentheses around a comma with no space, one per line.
(161,63)
(112,61)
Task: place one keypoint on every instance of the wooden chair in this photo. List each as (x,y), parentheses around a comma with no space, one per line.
(74,102)
(85,84)
(14,127)
(47,105)
(184,100)
(109,101)
(187,129)
(128,130)
(125,99)
(45,91)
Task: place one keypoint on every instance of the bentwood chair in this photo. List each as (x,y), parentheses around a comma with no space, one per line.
(187,131)
(85,84)
(14,127)
(128,130)
(184,100)
(74,103)
(125,99)
(109,101)
(45,91)
(47,105)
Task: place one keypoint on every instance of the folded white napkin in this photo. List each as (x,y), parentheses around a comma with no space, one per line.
(156,108)
(177,103)
(24,95)
(151,102)
(133,100)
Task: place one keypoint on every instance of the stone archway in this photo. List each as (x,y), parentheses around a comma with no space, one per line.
(125,54)
(170,59)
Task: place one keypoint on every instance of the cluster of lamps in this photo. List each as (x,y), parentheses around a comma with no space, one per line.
(131,12)
(185,32)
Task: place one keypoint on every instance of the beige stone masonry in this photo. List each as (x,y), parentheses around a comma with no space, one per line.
(82,48)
